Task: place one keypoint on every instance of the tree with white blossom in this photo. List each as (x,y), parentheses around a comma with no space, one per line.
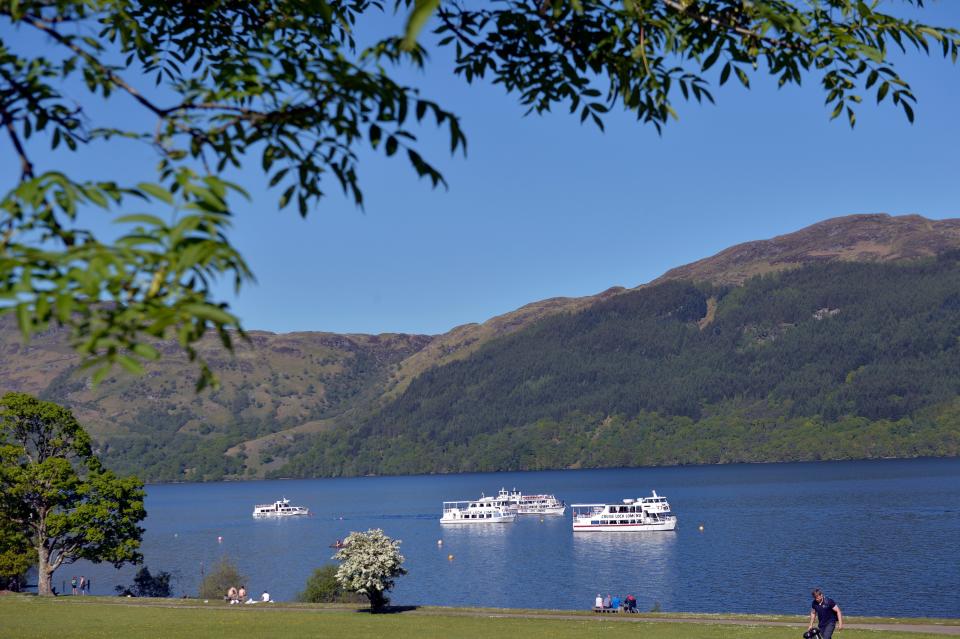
(371,561)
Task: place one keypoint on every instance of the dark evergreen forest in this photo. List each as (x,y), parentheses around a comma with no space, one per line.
(831,361)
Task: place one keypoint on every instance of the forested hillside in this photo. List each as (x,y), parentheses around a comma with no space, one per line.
(828,361)
(157,426)
(838,340)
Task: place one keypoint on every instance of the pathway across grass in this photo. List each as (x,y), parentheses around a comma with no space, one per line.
(93,617)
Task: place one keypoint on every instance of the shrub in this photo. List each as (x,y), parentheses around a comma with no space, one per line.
(147,585)
(220,578)
(323,587)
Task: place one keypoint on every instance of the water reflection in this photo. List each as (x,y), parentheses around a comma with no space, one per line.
(603,544)
(643,564)
(476,531)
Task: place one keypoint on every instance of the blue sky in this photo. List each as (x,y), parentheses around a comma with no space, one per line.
(543,207)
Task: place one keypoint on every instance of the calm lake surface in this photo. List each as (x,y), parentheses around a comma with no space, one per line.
(880,537)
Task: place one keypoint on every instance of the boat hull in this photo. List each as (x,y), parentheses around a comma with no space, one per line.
(665,526)
(469,522)
(542,511)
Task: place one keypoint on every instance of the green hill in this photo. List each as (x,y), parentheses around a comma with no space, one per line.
(838,340)
(832,361)
(156,425)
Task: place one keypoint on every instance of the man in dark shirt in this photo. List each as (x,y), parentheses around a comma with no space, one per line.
(826,613)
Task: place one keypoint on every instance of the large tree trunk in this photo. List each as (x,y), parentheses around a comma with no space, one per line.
(44,571)
(378,600)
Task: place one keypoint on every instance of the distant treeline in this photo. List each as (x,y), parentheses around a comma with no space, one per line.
(831,361)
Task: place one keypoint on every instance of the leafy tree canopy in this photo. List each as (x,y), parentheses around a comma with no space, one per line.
(16,556)
(54,491)
(285,83)
(371,562)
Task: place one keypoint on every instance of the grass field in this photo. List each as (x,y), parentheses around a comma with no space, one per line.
(93,617)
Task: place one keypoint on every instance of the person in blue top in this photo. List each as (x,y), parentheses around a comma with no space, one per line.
(615,604)
(826,613)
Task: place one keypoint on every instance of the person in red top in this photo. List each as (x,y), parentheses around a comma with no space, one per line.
(826,613)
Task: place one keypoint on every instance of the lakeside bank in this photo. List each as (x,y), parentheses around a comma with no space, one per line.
(64,617)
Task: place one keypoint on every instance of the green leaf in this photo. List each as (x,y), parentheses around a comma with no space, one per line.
(391,146)
(908,110)
(146,351)
(130,364)
(23,320)
(156,191)
(210,313)
(422,10)
(140,218)
(100,374)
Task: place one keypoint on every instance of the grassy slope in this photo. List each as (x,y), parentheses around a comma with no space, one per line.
(90,618)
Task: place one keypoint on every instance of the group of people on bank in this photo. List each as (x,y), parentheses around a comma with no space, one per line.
(825,614)
(239,595)
(614,604)
(79,586)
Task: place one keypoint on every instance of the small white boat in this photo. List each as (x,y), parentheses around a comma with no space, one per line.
(644,514)
(279,508)
(531,504)
(479,511)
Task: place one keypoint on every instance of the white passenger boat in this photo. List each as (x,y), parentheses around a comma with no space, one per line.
(486,510)
(531,504)
(633,515)
(279,508)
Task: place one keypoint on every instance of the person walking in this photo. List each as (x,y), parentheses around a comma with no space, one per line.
(825,612)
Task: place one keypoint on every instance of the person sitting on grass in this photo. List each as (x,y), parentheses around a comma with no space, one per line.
(232,595)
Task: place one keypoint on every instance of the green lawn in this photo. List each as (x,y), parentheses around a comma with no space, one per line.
(89,618)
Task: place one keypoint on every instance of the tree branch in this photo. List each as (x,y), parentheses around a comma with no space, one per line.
(686,8)
(47,28)
(445,17)
(26,167)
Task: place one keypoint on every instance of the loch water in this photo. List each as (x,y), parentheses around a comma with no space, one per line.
(880,537)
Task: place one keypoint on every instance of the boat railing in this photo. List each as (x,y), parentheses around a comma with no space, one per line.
(584,510)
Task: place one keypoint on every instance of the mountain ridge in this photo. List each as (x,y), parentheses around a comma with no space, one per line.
(284,386)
